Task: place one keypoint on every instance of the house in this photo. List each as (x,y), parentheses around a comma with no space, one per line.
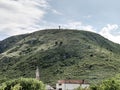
(71,84)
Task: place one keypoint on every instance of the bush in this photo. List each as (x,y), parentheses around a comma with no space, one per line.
(111,84)
(23,84)
(79,88)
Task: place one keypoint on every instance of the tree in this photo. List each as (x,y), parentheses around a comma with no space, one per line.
(23,84)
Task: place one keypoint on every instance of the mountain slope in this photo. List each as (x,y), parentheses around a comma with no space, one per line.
(60,54)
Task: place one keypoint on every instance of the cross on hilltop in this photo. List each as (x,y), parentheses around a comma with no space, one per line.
(59,27)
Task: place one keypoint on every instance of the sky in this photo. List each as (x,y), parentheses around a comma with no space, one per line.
(26,16)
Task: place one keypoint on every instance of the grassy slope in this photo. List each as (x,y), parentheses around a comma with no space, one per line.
(60,54)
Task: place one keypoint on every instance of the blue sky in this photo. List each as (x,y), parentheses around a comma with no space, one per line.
(25,16)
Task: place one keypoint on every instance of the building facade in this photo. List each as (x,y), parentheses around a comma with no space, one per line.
(71,84)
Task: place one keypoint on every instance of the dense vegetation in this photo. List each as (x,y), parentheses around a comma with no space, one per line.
(111,84)
(108,84)
(60,54)
(23,84)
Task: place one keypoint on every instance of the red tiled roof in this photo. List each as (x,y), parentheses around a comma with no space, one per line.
(72,81)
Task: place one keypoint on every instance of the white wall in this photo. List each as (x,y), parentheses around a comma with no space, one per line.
(85,86)
(70,86)
(48,87)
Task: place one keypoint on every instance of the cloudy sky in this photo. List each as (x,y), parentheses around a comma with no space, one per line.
(25,16)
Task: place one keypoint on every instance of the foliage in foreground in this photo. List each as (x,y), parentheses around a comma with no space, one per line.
(110,84)
(23,84)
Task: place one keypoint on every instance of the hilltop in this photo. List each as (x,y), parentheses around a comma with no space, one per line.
(60,54)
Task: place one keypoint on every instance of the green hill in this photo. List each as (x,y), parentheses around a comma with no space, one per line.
(60,54)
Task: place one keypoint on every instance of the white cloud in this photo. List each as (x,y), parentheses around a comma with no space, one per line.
(88,16)
(20,16)
(109,28)
(56,12)
(107,32)
(70,25)
(80,26)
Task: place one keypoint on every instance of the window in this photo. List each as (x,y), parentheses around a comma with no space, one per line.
(60,88)
(60,84)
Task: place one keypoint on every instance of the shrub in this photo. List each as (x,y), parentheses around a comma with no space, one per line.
(22,84)
(111,84)
(79,88)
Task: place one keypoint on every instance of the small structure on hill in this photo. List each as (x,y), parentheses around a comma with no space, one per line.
(71,84)
(37,74)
